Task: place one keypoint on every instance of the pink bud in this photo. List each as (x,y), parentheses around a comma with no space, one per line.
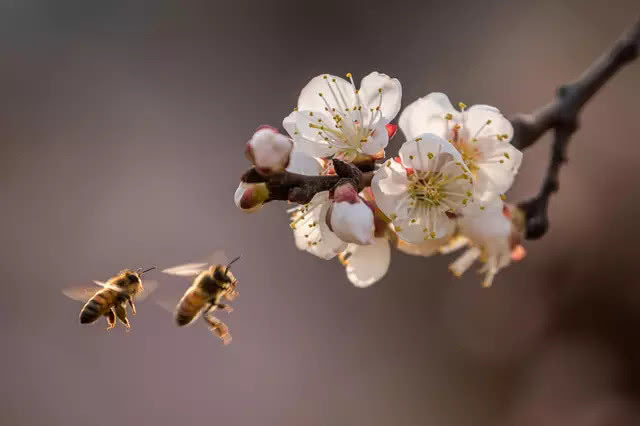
(250,197)
(349,217)
(269,150)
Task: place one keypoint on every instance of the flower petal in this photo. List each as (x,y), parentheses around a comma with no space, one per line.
(310,137)
(484,121)
(427,115)
(368,264)
(388,100)
(424,248)
(389,187)
(497,170)
(311,232)
(428,152)
(377,141)
(336,92)
(289,124)
(304,164)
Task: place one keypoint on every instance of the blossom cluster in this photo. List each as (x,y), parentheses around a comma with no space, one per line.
(443,192)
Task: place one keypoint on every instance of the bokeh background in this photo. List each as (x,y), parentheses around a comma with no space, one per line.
(122,126)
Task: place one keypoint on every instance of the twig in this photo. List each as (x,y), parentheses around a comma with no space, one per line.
(561,116)
(300,189)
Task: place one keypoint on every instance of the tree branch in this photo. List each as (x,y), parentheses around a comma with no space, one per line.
(300,189)
(561,116)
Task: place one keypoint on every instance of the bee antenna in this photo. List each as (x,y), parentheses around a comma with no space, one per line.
(231,263)
(146,270)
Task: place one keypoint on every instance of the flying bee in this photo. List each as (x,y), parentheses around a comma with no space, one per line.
(212,284)
(110,301)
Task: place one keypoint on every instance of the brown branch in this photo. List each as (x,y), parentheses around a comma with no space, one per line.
(561,116)
(300,189)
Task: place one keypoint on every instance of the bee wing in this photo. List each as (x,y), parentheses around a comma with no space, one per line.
(81,294)
(149,287)
(187,270)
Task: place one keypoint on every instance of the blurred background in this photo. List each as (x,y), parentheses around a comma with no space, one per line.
(122,127)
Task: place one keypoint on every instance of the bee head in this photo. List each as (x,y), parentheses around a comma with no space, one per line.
(222,273)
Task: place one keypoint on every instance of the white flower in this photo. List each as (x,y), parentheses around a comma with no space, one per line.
(250,197)
(309,222)
(334,118)
(367,264)
(480,133)
(493,237)
(269,150)
(349,217)
(422,193)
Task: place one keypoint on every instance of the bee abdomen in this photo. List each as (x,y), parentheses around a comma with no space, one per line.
(189,307)
(94,309)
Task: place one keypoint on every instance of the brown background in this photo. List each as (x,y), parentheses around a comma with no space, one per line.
(122,128)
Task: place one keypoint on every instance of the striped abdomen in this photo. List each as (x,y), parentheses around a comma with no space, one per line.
(98,305)
(190,305)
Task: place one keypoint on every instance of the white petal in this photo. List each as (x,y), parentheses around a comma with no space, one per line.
(377,141)
(318,238)
(462,263)
(391,95)
(312,139)
(489,226)
(389,187)
(428,152)
(475,121)
(427,115)
(352,222)
(336,91)
(368,264)
(304,164)
(289,123)
(425,248)
(497,170)
(434,221)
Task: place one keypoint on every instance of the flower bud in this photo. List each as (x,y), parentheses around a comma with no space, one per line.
(250,197)
(349,217)
(269,150)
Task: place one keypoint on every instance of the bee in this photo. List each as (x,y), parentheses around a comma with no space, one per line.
(212,284)
(110,301)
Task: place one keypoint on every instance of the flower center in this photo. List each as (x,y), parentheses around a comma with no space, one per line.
(427,188)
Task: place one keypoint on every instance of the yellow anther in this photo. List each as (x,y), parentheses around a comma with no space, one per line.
(432,235)
(506,154)
(311,113)
(320,94)
(397,228)
(448,116)
(411,157)
(348,75)
(380,90)
(413,221)
(488,121)
(324,76)
(462,106)
(418,139)
(468,193)
(503,197)
(430,155)
(394,216)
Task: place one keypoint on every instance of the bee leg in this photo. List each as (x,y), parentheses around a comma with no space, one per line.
(111,319)
(218,328)
(224,307)
(133,306)
(121,313)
